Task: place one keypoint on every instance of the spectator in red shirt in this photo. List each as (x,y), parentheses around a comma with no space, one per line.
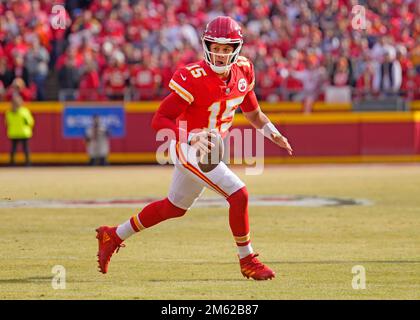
(269,83)
(3,31)
(21,9)
(197,13)
(114,29)
(18,86)
(406,65)
(70,54)
(15,48)
(89,84)
(292,84)
(406,39)
(115,77)
(101,8)
(145,81)
(188,54)
(413,85)
(313,79)
(166,70)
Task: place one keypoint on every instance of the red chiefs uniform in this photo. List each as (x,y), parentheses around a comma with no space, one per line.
(145,81)
(204,100)
(212,102)
(115,78)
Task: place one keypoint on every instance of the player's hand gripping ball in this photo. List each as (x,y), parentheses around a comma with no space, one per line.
(210,149)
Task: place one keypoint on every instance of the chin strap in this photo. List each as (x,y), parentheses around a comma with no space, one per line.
(220,70)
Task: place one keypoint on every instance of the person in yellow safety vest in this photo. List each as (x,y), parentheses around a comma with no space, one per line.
(19,123)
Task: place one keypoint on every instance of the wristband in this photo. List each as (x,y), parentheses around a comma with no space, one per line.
(268,129)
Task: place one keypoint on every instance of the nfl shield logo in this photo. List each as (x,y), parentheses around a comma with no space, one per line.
(242,85)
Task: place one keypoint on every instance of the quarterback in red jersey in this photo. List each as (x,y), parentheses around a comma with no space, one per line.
(204,96)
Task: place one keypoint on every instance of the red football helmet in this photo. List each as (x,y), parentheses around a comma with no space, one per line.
(222,30)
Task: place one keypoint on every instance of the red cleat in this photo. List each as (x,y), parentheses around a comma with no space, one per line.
(251,267)
(108,242)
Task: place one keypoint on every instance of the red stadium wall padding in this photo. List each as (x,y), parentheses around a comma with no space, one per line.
(48,135)
(341,137)
(417,137)
(323,139)
(348,139)
(314,140)
(387,138)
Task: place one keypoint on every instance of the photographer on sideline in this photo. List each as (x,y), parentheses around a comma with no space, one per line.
(97,143)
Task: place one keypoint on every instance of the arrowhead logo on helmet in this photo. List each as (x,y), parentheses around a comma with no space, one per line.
(222,30)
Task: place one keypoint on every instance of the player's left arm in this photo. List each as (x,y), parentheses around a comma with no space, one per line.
(259,120)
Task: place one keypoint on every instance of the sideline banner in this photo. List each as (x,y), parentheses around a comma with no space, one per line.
(76,119)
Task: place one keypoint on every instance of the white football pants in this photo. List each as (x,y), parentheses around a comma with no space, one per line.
(189,181)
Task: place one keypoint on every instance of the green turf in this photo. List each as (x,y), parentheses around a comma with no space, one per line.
(312,249)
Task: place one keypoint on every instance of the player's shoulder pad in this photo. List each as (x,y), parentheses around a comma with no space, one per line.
(247,68)
(245,64)
(182,83)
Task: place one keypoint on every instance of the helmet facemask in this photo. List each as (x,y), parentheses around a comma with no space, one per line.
(210,57)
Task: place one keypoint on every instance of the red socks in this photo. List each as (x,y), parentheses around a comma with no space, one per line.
(238,216)
(159,211)
(162,210)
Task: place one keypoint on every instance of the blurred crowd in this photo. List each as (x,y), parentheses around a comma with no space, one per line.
(129,49)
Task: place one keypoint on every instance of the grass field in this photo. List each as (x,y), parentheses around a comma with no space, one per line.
(312,249)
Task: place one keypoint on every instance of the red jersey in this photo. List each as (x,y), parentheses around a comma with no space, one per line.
(212,102)
(144,78)
(114,78)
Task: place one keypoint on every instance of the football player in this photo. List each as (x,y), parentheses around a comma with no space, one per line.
(204,96)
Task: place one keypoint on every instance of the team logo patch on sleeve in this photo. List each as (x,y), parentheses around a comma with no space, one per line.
(242,85)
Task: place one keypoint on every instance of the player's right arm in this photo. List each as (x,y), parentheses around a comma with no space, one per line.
(176,103)
(165,118)
(169,110)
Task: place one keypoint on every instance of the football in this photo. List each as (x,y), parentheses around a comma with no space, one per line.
(212,159)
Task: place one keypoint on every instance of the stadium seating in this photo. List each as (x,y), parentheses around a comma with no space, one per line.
(114,50)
